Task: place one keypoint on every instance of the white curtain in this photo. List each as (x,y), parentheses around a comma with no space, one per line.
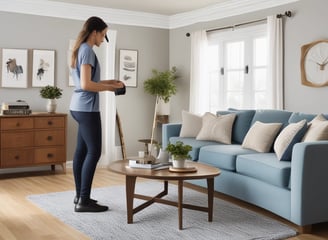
(275,63)
(199,81)
(106,57)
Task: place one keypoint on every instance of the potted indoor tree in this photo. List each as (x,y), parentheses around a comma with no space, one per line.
(179,153)
(51,93)
(162,86)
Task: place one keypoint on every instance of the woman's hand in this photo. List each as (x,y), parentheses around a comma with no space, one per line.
(112,85)
(117,84)
(120,90)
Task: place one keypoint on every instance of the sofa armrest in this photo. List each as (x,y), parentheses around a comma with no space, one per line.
(309,176)
(170,130)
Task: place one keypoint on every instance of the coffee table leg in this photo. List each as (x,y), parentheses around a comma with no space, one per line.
(130,182)
(210,195)
(180,202)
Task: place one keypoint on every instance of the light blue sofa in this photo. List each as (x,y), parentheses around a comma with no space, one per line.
(295,190)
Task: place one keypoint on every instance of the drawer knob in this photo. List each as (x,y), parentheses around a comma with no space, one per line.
(49,138)
(50,155)
(49,123)
(17,157)
(17,124)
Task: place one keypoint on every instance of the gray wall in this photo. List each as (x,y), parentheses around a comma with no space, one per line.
(135,108)
(160,49)
(308,23)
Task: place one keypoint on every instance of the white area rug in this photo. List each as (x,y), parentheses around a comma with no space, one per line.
(230,222)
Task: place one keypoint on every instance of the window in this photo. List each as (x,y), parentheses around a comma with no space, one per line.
(238,68)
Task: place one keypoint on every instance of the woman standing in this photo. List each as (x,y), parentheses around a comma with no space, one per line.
(84,109)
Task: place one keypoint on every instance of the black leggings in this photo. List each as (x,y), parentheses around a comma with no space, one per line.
(88,151)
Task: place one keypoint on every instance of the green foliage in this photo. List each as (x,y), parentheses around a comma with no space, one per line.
(162,84)
(179,150)
(51,92)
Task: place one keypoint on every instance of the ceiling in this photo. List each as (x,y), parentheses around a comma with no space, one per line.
(164,7)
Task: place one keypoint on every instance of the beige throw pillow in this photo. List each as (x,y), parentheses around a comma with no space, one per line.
(191,124)
(260,136)
(217,128)
(318,130)
(287,138)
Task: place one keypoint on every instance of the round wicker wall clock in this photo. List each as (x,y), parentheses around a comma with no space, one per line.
(314,64)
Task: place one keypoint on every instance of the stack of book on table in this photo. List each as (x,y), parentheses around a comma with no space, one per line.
(156,165)
(16,108)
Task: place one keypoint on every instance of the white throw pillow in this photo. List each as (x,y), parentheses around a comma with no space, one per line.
(293,133)
(260,136)
(217,128)
(191,124)
(318,130)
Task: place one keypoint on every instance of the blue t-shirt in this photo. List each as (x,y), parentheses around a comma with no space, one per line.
(85,101)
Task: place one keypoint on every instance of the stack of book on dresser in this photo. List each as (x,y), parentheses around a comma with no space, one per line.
(155,165)
(16,108)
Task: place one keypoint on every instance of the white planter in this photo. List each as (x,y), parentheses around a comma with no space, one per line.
(163,108)
(51,105)
(178,163)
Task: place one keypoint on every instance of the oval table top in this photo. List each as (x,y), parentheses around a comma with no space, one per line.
(203,171)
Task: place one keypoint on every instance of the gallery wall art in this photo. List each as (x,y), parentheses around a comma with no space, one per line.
(43,68)
(14,68)
(128,67)
(69,56)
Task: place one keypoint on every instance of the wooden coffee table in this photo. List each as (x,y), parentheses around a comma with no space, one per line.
(203,172)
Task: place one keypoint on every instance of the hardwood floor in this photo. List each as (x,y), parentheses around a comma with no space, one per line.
(20,219)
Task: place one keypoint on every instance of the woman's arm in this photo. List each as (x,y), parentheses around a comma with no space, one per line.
(88,85)
(110,81)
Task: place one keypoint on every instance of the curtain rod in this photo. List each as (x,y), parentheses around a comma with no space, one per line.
(287,14)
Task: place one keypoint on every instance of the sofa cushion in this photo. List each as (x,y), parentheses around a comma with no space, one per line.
(265,167)
(261,136)
(241,124)
(293,133)
(196,145)
(297,116)
(216,128)
(318,130)
(222,156)
(272,116)
(191,124)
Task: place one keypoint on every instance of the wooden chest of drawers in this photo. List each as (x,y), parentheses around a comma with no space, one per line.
(36,139)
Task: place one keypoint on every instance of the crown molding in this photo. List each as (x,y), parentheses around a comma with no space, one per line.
(223,10)
(134,18)
(82,12)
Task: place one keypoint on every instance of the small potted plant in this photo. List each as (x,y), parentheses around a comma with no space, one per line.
(179,152)
(51,93)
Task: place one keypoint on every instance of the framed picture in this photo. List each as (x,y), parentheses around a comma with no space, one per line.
(128,67)
(14,68)
(69,56)
(43,68)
